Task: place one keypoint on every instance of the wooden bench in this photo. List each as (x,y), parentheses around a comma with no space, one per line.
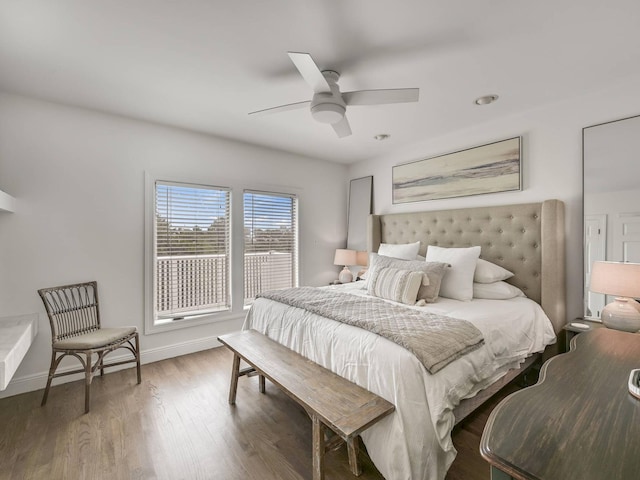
(330,400)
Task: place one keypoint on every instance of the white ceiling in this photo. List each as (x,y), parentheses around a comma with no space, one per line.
(204,64)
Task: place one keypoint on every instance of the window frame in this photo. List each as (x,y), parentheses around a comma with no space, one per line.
(151,323)
(193,207)
(295,270)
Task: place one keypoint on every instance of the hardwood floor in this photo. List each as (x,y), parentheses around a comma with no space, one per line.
(178,425)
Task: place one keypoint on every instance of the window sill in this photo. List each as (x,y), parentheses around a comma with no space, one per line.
(168,325)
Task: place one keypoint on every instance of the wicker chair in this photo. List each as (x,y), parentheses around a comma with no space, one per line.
(75,330)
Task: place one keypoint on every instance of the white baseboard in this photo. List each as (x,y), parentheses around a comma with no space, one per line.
(37,381)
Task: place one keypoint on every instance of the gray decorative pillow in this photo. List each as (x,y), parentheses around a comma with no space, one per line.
(434,271)
(395,284)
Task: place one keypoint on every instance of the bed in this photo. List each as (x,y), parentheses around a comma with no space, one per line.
(415,441)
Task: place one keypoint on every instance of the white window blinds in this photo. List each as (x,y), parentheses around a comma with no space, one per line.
(270,242)
(192,237)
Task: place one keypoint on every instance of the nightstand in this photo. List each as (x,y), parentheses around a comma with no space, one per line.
(571,331)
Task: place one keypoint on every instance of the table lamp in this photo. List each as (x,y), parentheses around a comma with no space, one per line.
(623,281)
(345,257)
(362,260)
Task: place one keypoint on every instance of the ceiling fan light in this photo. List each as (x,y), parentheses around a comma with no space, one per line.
(328,112)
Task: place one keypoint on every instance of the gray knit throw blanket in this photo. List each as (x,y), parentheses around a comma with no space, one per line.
(436,340)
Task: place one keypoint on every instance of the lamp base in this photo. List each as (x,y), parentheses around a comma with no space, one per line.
(346,276)
(622,314)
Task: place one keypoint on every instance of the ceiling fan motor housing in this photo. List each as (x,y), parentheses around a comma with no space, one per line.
(328,112)
(328,107)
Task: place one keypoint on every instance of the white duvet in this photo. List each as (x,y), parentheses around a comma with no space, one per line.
(415,441)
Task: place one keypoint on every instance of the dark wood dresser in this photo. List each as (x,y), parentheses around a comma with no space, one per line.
(578,422)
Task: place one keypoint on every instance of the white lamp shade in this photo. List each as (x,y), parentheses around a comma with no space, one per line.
(344,257)
(362,258)
(623,281)
(615,278)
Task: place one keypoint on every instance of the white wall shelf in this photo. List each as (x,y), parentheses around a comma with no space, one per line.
(7,202)
(16,336)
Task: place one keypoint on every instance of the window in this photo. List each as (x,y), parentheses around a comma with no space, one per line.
(194,249)
(270,242)
(191,260)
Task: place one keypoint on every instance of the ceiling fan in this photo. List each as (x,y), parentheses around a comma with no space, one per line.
(328,104)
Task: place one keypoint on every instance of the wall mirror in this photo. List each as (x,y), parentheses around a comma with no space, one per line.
(360,192)
(611,163)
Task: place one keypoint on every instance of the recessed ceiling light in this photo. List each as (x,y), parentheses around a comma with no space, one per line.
(486,100)
(381,136)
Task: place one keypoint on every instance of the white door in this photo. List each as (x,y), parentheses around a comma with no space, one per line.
(626,238)
(595,249)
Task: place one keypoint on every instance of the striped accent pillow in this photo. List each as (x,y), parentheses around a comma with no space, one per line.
(395,284)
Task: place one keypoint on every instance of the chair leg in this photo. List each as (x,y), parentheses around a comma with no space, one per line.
(52,370)
(138,358)
(87,383)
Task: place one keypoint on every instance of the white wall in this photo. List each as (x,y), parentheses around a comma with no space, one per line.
(78,177)
(552,154)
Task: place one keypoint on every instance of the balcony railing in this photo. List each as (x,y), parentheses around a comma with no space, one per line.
(199,282)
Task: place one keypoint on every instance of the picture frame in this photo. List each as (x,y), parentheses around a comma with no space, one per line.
(490,168)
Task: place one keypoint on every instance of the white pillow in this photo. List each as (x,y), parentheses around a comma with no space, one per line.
(405,251)
(496,291)
(457,282)
(395,284)
(487,272)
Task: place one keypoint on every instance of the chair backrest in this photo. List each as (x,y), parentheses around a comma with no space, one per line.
(72,309)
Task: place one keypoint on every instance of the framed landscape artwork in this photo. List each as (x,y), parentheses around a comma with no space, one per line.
(491,168)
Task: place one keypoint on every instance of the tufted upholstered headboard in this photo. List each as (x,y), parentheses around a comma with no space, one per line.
(527,239)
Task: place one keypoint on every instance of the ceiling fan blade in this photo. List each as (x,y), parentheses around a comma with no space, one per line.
(342,128)
(282,108)
(310,72)
(379,97)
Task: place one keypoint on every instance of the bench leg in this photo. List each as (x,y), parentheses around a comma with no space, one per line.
(318,448)
(352,449)
(235,373)
(261,382)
